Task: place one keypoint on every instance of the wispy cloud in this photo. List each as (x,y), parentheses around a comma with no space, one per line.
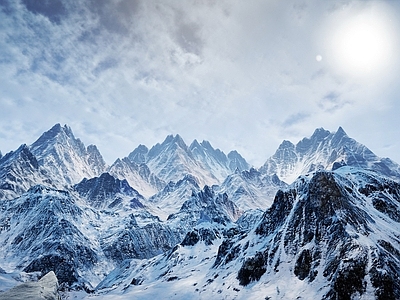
(128,72)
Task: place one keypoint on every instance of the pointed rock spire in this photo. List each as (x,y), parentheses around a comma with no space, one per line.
(340,131)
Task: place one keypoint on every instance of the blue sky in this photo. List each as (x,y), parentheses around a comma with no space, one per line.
(243,75)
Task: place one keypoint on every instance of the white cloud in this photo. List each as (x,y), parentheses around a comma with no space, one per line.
(240,74)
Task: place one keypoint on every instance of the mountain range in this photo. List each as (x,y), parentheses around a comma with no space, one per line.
(182,221)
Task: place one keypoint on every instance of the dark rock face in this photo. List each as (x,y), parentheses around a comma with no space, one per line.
(226,252)
(302,267)
(318,224)
(139,242)
(252,269)
(106,192)
(63,268)
(197,235)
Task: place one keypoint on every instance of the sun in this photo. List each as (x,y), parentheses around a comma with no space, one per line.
(361,44)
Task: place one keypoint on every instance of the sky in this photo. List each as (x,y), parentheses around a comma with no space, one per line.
(244,75)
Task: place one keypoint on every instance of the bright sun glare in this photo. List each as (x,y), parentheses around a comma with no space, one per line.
(362,44)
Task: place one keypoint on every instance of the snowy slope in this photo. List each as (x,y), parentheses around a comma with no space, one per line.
(172,197)
(79,237)
(44,289)
(251,189)
(221,165)
(138,176)
(20,170)
(325,150)
(48,230)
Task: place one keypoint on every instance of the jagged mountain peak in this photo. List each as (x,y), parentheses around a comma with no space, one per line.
(320,133)
(173,159)
(170,144)
(139,154)
(205,206)
(56,137)
(286,145)
(65,157)
(320,136)
(195,145)
(340,131)
(207,145)
(56,132)
(324,150)
(207,152)
(175,139)
(22,152)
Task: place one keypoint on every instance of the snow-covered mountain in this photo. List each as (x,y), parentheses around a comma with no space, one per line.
(171,198)
(57,159)
(138,175)
(65,157)
(214,159)
(191,222)
(205,207)
(325,150)
(19,170)
(80,234)
(251,189)
(42,231)
(173,159)
(311,244)
(108,192)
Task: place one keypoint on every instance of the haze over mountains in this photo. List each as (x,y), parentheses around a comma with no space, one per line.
(315,214)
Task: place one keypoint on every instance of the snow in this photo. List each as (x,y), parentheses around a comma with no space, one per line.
(189,272)
(45,288)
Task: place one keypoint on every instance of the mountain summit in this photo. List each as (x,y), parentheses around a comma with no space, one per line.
(325,150)
(65,157)
(172,160)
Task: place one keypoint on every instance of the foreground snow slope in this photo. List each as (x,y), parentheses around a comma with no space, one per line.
(44,289)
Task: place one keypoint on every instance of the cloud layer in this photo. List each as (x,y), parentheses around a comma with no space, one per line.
(243,75)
